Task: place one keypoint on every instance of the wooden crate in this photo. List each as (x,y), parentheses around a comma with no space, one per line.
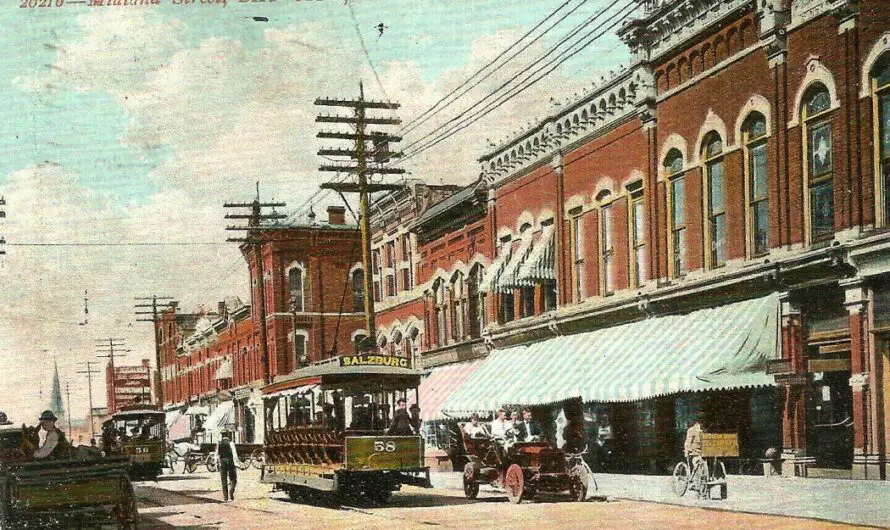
(720,444)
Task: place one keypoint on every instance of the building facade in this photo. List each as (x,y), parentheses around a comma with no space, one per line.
(127,386)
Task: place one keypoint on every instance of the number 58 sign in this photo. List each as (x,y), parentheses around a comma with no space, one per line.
(382,446)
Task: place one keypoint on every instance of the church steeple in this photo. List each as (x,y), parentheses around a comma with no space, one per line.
(55,400)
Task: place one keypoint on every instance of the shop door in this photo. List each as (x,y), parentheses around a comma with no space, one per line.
(830,420)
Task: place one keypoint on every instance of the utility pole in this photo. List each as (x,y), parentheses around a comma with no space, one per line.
(253,240)
(159,387)
(68,395)
(2,216)
(379,154)
(109,347)
(90,373)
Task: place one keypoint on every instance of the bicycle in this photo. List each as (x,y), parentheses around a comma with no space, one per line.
(579,468)
(701,477)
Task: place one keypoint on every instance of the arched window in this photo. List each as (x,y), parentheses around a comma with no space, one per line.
(441,314)
(819,165)
(715,229)
(295,282)
(673,170)
(358,290)
(475,302)
(458,307)
(881,89)
(357,342)
(607,244)
(757,173)
(637,238)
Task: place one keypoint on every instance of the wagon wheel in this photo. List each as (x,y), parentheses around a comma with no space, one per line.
(191,464)
(514,483)
(127,512)
(257,458)
(680,479)
(471,487)
(211,464)
(243,464)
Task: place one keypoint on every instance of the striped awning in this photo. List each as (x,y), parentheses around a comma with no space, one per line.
(507,281)
(222,417)
(713,349)
(180,428)
(493,273)
(436,387)
(171,416)
(540,264)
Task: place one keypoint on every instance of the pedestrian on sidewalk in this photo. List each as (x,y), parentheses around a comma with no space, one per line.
(227,457)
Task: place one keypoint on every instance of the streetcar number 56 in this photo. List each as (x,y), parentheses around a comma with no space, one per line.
(384,447)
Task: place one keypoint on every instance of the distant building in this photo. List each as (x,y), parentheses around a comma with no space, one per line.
(128,385)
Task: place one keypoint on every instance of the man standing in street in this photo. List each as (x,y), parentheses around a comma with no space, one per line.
(227,457)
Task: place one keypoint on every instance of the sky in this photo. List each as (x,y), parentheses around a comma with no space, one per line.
(123,129)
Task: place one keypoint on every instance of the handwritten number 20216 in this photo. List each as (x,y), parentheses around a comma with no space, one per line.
(42,3)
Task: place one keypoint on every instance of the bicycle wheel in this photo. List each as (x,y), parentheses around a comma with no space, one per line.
(700,476)
(680,479)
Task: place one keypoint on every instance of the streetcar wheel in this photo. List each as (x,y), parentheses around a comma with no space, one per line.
(257,458)
(514,483)
(471,487)
(680,479)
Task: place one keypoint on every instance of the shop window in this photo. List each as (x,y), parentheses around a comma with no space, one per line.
(637,234)
(527,299)
(358,290)
(755,140)
(578,256)
(715,228)
(819,163)
(441,314)
(549,292)
(673,166)
(881,89)
(295,281)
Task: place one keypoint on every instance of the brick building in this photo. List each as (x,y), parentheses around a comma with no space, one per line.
(703,235)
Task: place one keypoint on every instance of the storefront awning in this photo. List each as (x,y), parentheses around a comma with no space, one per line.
(171,417)
(436,387)
(222,417)
(507,281)
(196,410)
(180,429)
(224,371)
(538,266)
(713,349)
(493,273)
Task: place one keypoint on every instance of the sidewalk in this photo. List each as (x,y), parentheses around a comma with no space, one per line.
(848,501)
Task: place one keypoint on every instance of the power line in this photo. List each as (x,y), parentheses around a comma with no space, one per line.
(414,123)
(516,90)
(512,92)
(361,41)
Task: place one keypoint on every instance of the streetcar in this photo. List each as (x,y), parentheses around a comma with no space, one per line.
(328,430)
(139,433)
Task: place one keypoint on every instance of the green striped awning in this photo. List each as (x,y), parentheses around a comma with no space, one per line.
(713,349)
(539,265)
(494,271)
(507,281)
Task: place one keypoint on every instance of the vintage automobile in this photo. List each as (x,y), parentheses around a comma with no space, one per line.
(523,469)
(326,430)
(83,490)
(142,437)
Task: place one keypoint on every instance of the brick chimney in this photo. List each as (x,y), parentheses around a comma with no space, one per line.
(337,215)
(221,308)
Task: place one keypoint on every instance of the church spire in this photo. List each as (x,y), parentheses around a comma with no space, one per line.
(55,400)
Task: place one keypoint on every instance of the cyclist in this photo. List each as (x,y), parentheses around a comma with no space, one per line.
(694,446)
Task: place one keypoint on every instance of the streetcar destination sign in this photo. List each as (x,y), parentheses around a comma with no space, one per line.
(374,360)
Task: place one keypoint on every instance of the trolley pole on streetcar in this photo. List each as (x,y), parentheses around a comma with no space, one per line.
(357,163)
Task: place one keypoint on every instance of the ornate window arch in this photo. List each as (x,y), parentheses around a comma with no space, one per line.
(754,135)
(879,83)
(713,181)
(815,112)
(817,74)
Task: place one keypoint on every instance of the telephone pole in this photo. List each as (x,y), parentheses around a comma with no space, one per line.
(109,347)
(358,165)
(159,387)
(68,396)
(253,240)
(90,373)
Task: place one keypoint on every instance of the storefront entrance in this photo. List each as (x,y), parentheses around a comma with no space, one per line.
(830,420)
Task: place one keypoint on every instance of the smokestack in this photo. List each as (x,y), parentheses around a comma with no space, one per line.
(337,215)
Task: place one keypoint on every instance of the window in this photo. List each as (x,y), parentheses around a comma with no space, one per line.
(375,260)
(358,290)
(458,306)
(406,279)
(549,291)
(527,301)
(299,350)
(754,135)
(391,254)
(677,222)
(715,233)
(390,285)
(295,281)
(507,307)
(578,256)
(881,89)
(376,291)
(357,342)
(819,163)
(637,234)
(607,250)
(475,302)
(441,312)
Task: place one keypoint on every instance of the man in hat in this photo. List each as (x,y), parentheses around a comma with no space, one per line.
(51,441)
(401,421)
(227,457)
